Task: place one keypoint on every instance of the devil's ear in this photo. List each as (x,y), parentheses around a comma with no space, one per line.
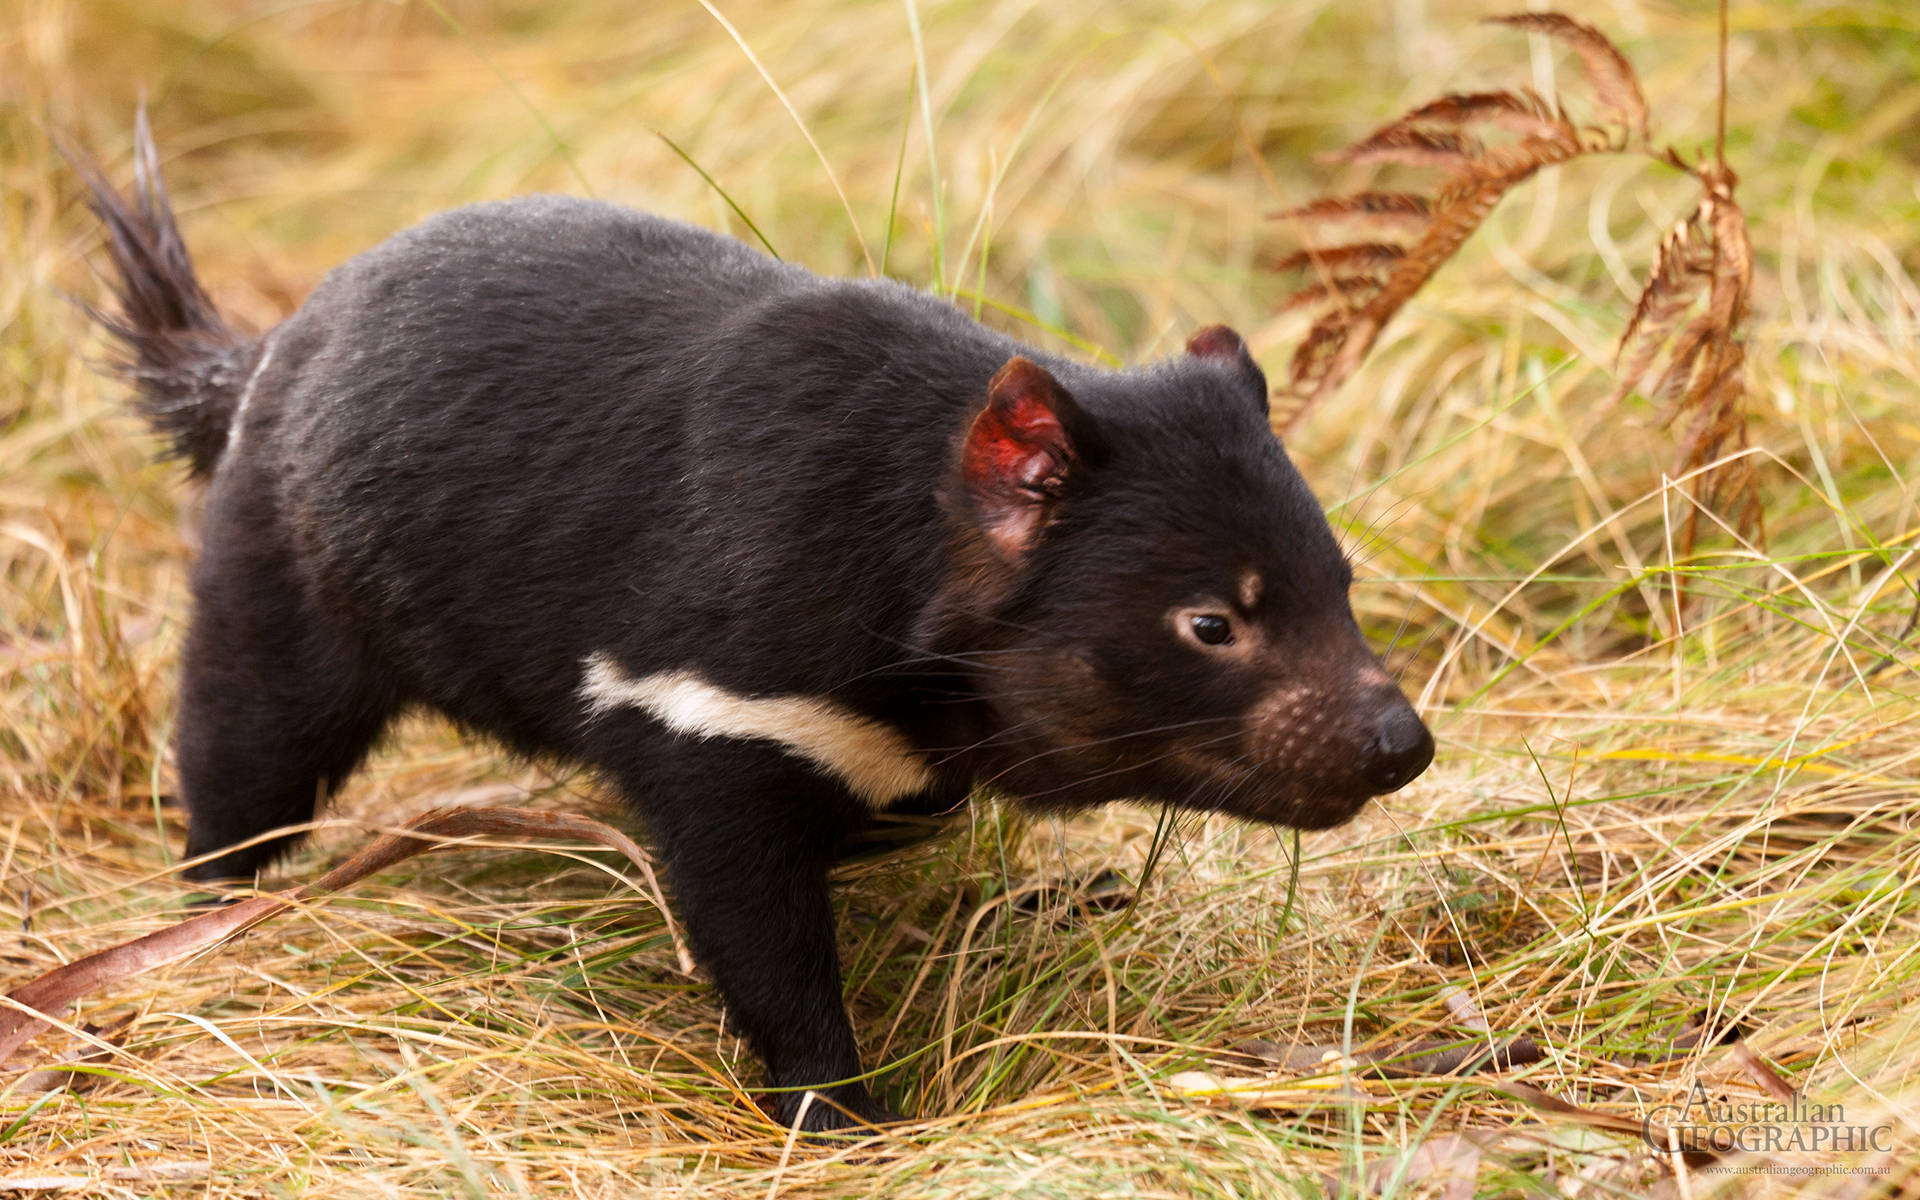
(1022,455)
(1218,343)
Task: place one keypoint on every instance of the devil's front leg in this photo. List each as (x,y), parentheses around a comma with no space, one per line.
(747,834)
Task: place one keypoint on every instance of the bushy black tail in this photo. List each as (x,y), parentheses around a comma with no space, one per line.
(186,363)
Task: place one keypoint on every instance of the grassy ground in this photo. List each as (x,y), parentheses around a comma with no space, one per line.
(1643,814)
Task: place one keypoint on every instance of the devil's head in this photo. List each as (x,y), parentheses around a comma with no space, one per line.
(1152,603)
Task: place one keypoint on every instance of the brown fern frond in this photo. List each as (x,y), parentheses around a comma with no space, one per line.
(1718,395)
(1313,356)
(1730,301)
(1716,435)
(1362,285)
(1389,209)
(1520,110)
(1677,380)
(1349,294)
(1508,166)
(1719,367)
(1606,70)
(1406,146)
(1681,270)
(1465,199)
(1357,259)
(1452,225)
(1705,376)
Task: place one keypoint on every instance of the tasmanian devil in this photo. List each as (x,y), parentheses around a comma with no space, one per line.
(771,553)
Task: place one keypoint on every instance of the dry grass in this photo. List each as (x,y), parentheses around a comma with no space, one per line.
(1639,816)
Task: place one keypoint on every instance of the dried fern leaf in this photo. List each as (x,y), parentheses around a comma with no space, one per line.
(1728,303)
(1367,283)
(1388,209)
(1714,439)
(1520,110)
(1682,269)
(1705,379)
(1312,360)
(1606,70)
(1358,259)
(1718,393)
(1743,482)
(1677,380)
(1714,397)
(1466,198)
(1406,146)
(1509,166)
(1348,294)
(1684,260)
(1719,422)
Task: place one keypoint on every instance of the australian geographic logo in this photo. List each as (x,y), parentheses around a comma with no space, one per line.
(1702,1124)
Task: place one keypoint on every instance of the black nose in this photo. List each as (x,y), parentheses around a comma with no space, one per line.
(1400,749)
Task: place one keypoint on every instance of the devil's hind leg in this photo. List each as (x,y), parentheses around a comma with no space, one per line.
(278,702)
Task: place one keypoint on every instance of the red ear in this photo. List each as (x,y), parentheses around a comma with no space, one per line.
(1019,455)
(1218,341)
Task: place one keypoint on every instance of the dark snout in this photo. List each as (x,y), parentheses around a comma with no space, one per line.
(1328,750)
(1399,749)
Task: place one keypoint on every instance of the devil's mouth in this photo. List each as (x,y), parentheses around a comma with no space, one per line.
(1239,788)
(1235,782)
(1324,811)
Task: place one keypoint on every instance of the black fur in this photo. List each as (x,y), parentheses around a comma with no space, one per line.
(524,434)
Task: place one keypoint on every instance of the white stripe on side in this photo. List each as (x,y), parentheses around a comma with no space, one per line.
(871,757)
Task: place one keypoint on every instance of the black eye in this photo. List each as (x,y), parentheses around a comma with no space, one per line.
(1212,630)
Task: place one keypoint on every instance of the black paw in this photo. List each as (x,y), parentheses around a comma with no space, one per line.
(846,1109)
